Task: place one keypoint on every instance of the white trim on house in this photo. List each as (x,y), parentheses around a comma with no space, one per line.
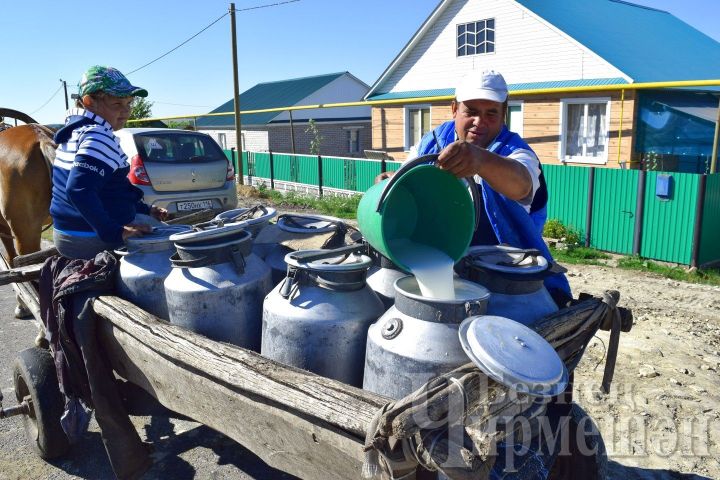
(521,104)
(563,120)
(409,46)
(407,142)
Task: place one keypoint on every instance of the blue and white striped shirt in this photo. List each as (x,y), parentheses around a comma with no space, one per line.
(91,192)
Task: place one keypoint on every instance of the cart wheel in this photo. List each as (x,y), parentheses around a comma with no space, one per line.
(584,437)
(34,377)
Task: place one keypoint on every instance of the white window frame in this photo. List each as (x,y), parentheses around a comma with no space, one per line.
(357,129)
(521,104)
(563,120)
(407,141)
(222,140)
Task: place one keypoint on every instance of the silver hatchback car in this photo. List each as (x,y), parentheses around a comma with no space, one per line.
(180,170)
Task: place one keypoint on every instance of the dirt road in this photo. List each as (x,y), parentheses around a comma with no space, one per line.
(662,416)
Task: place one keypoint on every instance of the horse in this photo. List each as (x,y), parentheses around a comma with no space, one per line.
(27,153)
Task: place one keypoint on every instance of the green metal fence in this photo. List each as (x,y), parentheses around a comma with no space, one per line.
(710,234)
(667,231)
(614,210)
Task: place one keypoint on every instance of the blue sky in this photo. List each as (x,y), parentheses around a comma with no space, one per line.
(44,41)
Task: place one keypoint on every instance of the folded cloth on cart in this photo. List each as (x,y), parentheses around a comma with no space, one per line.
(67,290)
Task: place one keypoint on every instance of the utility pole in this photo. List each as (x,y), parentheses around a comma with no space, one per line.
(236,84)
(67,105)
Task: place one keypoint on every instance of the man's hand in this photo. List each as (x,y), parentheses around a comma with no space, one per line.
(462,159)
(505,175)
(135,230)
(159,213)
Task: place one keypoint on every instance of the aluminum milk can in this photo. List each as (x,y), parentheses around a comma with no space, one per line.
(317,318)
(514,277)
(382,276)
(217,285)
(417,339)
(144,265)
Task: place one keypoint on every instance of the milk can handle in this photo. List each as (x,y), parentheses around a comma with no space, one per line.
(425,159)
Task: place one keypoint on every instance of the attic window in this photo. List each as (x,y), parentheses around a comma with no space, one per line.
(475,38)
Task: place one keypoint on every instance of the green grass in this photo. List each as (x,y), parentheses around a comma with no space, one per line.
(47,234)
(579,255)
(342,207)
(708,276)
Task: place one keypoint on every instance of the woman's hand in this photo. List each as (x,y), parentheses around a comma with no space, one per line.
(135,230)
(159,213)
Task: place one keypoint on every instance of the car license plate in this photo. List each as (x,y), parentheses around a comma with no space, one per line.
(196,205)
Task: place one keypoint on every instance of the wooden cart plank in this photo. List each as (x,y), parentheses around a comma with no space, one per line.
(307,425)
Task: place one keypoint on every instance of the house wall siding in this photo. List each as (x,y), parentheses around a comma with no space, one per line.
(541,126)
(527,49)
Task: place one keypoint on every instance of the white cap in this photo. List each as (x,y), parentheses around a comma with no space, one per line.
(486,85)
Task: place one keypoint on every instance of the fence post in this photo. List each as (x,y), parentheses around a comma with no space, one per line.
(588,214)
(639,212)
(272,171)
(233,160)
(320,176)
(383,165)
(699,205)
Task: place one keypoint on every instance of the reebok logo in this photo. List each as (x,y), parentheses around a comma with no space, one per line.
(92,168)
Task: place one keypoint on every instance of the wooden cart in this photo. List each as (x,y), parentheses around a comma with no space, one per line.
(296,421)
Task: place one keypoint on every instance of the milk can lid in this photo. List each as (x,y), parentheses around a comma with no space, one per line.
(337,263)
(308,223)
(513,355)
(211,235)
(159,235)
(237,215)
(502,258)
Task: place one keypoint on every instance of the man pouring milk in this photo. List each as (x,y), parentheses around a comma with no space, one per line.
(477,143)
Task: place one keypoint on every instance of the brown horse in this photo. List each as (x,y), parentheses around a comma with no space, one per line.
(26,156)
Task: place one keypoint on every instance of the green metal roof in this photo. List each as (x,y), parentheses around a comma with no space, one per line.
(438,92)
(282,93)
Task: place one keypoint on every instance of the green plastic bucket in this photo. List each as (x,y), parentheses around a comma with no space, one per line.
(422,204)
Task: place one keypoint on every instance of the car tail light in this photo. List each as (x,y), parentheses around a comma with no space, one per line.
(138,175)
(230,174)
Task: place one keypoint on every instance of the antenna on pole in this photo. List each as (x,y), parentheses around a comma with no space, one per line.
(236,85)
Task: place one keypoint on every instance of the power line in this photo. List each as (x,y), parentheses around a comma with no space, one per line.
(183,43)
(266,6)
(211,24)
(48,101)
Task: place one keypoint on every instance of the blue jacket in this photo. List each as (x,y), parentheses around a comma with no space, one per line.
(509,220)
(91,194)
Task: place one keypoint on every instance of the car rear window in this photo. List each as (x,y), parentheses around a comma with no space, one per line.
(168,147)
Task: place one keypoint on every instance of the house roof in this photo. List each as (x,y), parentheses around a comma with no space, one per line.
(276,94)
(647,44)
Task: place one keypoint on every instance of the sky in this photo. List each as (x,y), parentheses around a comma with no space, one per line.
(45,41)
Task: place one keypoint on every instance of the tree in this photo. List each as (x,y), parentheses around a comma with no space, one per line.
(140,108)
(316,139)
